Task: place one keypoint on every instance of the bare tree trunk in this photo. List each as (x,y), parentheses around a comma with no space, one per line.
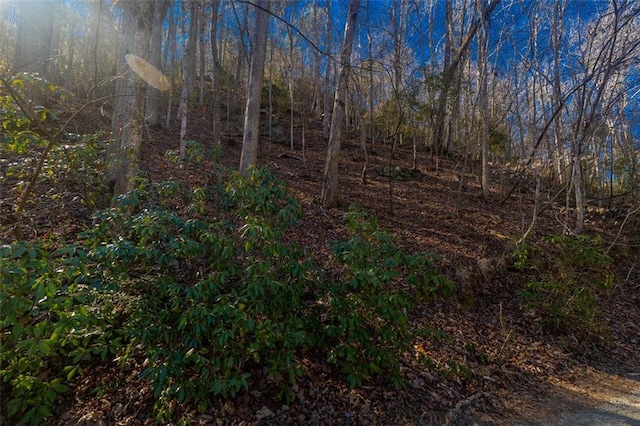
(71,45)
(171,47)
(34,35)
(217,69)
(483,46)
(559,147)
(97,10)
(327,80)
(270,94)
(448,76)
(316,65)
(440,120)
(202,55)
(251,136)
(128,117)
(242,56)
(188,75)
(154,99)
(330,183)
(291,100)
(183,110)
(579,194)
(190,53)
(372,133)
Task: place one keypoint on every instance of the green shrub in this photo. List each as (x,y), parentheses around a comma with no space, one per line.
(47,325)
(80,164)
(75,162)
(195,154)
(366,326)
(568,275)
(219,300)
(211,295)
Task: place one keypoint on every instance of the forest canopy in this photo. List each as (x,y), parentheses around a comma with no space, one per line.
(551,87)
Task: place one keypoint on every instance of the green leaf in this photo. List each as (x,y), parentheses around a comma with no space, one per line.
(44,347)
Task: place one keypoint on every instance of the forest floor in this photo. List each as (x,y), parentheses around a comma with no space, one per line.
(518,372)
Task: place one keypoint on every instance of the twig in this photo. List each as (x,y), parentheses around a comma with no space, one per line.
(324,212)
(624,222)
(391,155)
(535,213)
(289,155)
(460,405)
(42,131)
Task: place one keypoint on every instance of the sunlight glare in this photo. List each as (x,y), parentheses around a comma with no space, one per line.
(148,72)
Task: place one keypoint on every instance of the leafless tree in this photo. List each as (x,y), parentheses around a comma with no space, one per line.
(330,182)
(153,114)
(128,117)
(251,136)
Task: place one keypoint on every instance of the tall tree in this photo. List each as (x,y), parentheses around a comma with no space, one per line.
(202,53)
(189,59)
(190,52)
(154,101)
(450,69)
(330,182)
(242,57)
(291,77)
(372,132)
(611,45)
(33,51)
(128,117)
(483,95)
(217,69)
(188,74)
(327,79)
(316,62)
(557,150)
(251,135)
(170,51)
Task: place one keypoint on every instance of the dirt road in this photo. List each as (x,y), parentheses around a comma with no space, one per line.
(586,398)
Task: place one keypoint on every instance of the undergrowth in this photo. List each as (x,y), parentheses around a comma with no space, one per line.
(49,325)
(568,275)
(203,286)
(366,326)
(74,161)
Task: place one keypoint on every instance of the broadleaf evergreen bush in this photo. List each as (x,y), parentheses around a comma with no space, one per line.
(366,323)
(48,325)
(568,276)
(205,287)
(221,298)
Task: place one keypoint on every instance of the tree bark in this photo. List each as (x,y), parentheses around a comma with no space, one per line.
(202,55)
(448,75)
(483,47)
(291,82)
(327,80)
(251,136)
(241,58)
(372,127)
(171,48)
(217,69)
(128,117)
(153,113)
(316,65)
(34,36)
(330,183)
(190,54)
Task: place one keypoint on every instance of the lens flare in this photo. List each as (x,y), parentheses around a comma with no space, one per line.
(152,75)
